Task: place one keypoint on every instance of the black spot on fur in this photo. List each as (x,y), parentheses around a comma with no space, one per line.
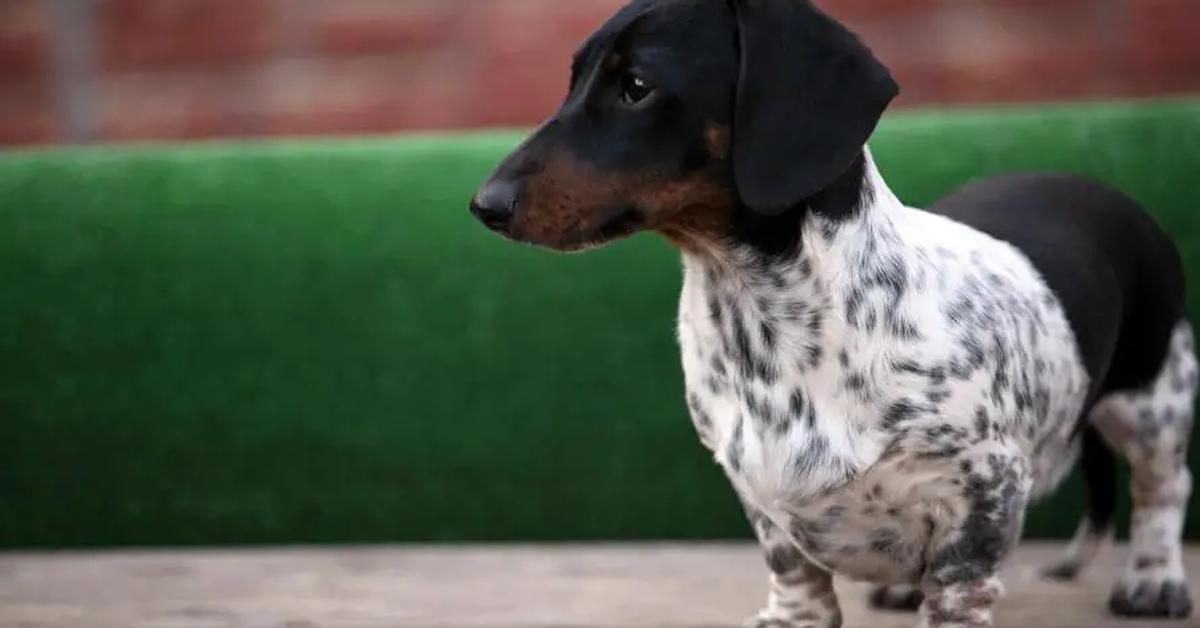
(884,540)
(907,366)
(816,456)
(714,309)
(796,403)
(767,330)
(854,302)
(937,375)
(794,310)
(835,511)
(814,355)
(974,351)
(743,352)
(872,320)
(805,268)
(718,366)
(996,501)
(981,423)
(903,329)
(829,230)
(783,559)
(999,384)
(815,324)
(899,412)
(733,452)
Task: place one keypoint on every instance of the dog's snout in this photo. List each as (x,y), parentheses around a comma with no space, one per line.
(495,203)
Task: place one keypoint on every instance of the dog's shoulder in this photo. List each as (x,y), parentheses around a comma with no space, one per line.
(1115,273)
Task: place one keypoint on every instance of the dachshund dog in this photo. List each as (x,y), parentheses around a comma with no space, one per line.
(887,388)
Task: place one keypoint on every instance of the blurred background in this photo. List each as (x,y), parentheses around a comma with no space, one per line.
(102,70)
(287,339)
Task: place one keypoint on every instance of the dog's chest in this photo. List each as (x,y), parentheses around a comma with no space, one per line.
(801,374)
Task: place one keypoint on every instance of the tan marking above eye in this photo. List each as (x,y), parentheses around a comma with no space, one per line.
(613,61)
(716,138)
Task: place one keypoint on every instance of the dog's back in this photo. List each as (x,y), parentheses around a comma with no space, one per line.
(1120,281)
(1094,247)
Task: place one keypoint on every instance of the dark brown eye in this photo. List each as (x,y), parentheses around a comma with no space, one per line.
(634,89)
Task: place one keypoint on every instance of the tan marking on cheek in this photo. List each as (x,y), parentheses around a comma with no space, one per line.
(701,207)
(716,138)
(568,201)
(689,212)
(562,201)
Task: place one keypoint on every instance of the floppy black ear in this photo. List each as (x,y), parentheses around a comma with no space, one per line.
(808,97)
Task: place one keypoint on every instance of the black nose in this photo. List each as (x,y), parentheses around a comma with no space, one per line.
(495,203)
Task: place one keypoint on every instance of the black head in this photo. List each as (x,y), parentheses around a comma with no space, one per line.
(688,116)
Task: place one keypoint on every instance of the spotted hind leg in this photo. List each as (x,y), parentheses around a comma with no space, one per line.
(1096,530)
(1151,428)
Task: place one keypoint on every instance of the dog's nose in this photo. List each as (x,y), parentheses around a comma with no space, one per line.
(495,203)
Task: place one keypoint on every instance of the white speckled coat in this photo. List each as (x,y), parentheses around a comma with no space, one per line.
(916,347)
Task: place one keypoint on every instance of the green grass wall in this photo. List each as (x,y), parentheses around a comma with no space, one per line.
(312,341)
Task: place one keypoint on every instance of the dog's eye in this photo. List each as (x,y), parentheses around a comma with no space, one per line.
(634,89)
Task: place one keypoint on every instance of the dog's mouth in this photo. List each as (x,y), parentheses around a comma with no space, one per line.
(623,224)
(579,237)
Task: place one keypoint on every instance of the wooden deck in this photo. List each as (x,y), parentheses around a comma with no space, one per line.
(618,586)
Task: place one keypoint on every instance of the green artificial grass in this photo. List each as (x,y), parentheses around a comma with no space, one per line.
(312,341)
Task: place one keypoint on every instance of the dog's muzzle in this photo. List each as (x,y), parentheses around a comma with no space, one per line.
(496,203)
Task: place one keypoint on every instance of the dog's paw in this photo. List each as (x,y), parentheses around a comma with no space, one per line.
(768,619)
(1151,597)
(899,597)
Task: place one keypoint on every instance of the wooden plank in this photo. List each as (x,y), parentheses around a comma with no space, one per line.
(592,586)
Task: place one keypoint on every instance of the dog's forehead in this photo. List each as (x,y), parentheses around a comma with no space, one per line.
(665,21)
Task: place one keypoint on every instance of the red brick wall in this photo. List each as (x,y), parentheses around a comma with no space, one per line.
(146,69)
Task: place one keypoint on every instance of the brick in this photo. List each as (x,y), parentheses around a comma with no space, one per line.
(997,51)
(523,70)
(901,41)
(1162,45)
(24,56)
(23,15)
(362,95)
(25,45)
(853,11)
(171,106)
(26,113)
(186,34)
(384,26)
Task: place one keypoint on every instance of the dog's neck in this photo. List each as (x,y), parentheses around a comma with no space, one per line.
(775,317)
(843,224)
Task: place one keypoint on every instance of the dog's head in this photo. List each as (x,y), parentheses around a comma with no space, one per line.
(683,113)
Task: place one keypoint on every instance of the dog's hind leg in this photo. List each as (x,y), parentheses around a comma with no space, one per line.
(801,594)
(1096,529)
(1151,428)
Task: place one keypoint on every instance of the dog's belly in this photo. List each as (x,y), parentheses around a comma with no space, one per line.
(883,524)
(863,536)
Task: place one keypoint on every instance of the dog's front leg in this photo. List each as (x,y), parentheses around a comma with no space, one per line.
(978,529)
(966,604)
(801,594)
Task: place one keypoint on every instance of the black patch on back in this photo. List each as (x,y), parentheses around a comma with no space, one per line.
(1117,275)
